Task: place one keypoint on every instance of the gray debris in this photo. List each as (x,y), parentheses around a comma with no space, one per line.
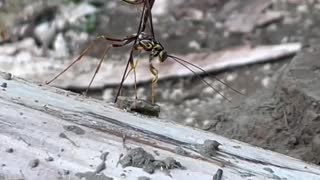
(92,176)
(9,150)
(4,85)
(209,148)
(75,129)
(179,150)
(143,178)
(7,76)
(171,163)
(34,163)
(137,157)
(218,175)
(102,165)
(49,159)
(140,158)
(138,105)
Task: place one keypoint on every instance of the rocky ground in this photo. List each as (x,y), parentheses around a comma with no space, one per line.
(280,109)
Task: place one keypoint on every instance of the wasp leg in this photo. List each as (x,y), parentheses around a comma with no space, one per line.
(84,52)
(133,66)
(154,73)
(123,41)
(140,29)
(98,68)
(133,1)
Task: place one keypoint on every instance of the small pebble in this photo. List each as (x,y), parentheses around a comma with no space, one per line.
(143,178)
(268,169)
(66,172)
(9,150)
(7,76)
(4,85)
(209,148)
(34,163)
(179,150)
(123,175)
(49,159)
(218,175)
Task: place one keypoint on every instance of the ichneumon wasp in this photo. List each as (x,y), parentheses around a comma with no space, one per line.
(142,42)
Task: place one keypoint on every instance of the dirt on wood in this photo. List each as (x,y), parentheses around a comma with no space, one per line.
(138,157)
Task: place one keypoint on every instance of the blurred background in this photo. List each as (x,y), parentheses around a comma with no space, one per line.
(39,38)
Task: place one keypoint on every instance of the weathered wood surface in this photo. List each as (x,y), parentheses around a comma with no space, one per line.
(32,117)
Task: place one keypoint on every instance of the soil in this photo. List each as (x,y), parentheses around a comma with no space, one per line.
(280,109)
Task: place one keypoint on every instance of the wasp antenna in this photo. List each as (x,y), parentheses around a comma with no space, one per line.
(178,60)
(205,72)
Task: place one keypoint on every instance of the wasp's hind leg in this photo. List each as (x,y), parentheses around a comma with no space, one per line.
(98,68)
(123,41)
(84,52)
(154,73)
(133,66)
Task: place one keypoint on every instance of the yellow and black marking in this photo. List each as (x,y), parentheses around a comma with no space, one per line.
(148,44)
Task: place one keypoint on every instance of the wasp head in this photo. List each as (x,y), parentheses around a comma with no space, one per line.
(163,55)
(158,51)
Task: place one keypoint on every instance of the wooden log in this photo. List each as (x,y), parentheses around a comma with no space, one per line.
(47,133)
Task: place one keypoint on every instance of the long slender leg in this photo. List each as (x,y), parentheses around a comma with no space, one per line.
(84,52)
(131,54)
(128,38)
(141,28)
(98,68)
(125,41)
(132,66)
(149,4)
(131,69)
(133,1)
(154,73)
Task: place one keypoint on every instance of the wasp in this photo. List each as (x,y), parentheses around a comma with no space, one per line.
(157,51)
(116,42)
(143,42)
